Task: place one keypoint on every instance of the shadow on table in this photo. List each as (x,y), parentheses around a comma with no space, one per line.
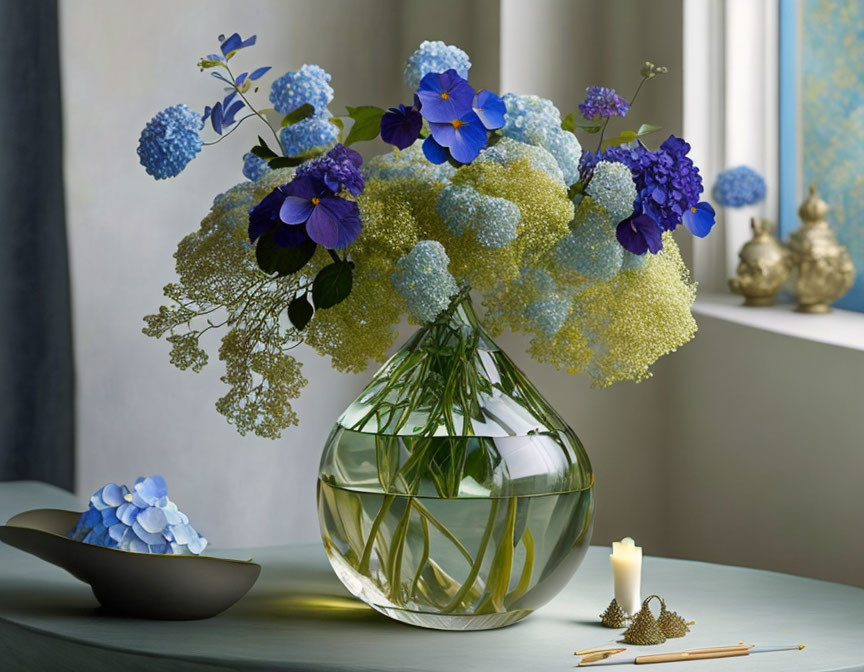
(53,599)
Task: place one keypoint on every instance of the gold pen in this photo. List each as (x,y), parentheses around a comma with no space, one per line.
(605,656)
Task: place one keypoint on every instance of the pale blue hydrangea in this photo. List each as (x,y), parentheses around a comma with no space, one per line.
(540,281)
(141,520)
(507,150)
(457,207)
(567,151)
(254,166)
(537,121)
(494,220)
(317,131)
(170,141)
(407,163)
(613,189)
(739,186)
(548,314)
(435,57)
(497,222)
(633,262)
(422,278)
(591,248)
(310,84)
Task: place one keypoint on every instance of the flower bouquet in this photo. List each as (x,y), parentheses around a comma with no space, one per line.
(451,494)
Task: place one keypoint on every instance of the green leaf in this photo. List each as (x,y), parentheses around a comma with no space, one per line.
(262,151)
(332,285)
(285,161)
(303,112)
(205,63)
(338,123)
(571,123)
(622,139)
(300,311)
(273,258)
(645,129)
(367,123)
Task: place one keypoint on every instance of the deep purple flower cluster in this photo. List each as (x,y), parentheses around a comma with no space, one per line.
(459,118)
(603,102)
(668,184)
(339,168)
(310,207)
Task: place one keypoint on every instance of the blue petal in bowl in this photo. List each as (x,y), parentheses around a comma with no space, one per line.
(141,585)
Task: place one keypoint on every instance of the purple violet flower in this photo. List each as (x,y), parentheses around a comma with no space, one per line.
(459,119)
(603,102)
(640,234)
(444,96)
(330,221)
(699,219)
(401,126)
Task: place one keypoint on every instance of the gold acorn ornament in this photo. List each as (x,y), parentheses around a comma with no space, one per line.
(614,616)
(645,630)
(822,268)
(764,266)
(671,624)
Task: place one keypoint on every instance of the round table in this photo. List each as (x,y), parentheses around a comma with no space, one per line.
(299,617)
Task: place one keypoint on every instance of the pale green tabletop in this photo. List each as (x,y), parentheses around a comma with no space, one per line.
(298,617)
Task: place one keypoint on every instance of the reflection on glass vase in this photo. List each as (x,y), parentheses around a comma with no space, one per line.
(451,495)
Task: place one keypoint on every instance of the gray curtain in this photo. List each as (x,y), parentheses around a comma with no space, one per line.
(36,372)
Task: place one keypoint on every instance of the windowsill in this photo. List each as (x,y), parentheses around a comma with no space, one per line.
(841,328)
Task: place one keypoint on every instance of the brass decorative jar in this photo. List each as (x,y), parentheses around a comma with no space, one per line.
(822,268)
(763,268)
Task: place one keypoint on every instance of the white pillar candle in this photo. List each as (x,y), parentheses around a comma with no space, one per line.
(627,571)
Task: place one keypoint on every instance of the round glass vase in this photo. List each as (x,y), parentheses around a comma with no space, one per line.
(451,495)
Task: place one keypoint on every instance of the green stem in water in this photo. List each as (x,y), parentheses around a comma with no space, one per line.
(427,515)
(424,557)
(478,562)
(397,552)
(363,568)
(502,565)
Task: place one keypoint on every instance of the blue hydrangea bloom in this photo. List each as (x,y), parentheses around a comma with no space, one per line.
(591,248)
(667,180)
(169,141)
(494,220)
(613,189)
(548,314)
(603,102)
(141,520)
(310,84)
(422,278)
(316,131)
(254,166)
(537,121)
(408,163)
(739,186)
(435,57)
(507,150)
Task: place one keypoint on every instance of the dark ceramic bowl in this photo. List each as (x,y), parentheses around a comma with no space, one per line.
(141,585)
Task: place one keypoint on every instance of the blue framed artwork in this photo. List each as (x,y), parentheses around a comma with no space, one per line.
(822,119)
